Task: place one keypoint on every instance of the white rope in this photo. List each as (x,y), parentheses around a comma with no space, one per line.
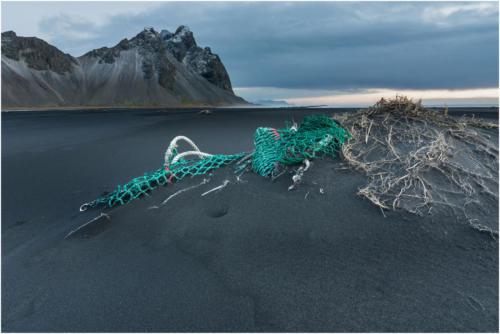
(184,154)
(173,145)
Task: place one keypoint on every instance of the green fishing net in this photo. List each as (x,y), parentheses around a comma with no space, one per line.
(318,136)
(142,185)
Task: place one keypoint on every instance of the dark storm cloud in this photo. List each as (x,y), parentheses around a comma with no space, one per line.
(321,45)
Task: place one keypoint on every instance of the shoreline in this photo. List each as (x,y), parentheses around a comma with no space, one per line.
(239,106)
(148,107)
(482,112)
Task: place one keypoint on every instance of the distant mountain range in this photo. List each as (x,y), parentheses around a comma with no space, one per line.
(274,103)
(152,68)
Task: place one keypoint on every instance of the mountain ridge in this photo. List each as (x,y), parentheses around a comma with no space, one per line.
(165,69)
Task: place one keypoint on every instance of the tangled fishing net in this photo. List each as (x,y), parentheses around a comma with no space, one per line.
(317,137)
(416,159)
(422,160)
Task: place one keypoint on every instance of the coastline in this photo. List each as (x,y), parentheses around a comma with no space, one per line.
(489,112)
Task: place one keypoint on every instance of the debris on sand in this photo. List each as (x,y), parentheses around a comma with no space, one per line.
(223,185)
(419,160)
(206,112)
(91,228)
(416,159)
(318,136)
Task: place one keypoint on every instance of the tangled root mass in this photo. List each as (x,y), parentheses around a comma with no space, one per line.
(421,160)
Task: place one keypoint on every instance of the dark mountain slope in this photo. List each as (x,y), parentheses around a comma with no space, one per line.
(145,70)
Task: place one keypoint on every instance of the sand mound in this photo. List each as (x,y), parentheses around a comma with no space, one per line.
(421,160)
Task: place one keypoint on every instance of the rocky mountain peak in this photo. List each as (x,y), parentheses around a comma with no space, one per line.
(148,35)
(165,34)
(180,42)
(37,53)
(183,47)
(8,35)
(146,41)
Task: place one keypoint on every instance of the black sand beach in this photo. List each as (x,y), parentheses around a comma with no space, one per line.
(251,257)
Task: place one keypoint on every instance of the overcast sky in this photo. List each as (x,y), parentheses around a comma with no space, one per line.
(304,52)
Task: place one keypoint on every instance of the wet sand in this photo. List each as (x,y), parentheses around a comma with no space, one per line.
(250,257)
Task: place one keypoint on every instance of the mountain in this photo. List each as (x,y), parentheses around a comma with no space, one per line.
(183,46)
(150,69)
(274,103)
